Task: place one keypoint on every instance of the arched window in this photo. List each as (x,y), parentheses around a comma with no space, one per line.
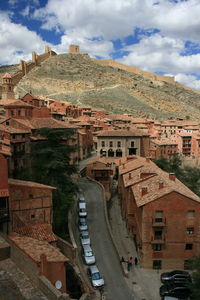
(111,153)
(103,152)
(118,153)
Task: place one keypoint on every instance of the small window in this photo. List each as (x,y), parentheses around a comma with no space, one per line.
(103,144)
(111,144)
(118,144)
(157,264)
(12,113)
(188,246)
(3,202)
(157,247)
(132,144)
(190,213)
(31,196)
(158,215)
(190,230)
(32,216)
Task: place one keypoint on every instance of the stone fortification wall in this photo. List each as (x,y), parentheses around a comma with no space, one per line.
(133,69)
(26,67)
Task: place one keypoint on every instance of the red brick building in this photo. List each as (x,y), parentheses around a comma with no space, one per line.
(161,213)
(163,148)
(101,170)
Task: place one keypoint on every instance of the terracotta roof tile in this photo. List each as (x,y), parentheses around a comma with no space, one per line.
(6,76)
(10,129)
(41,232)
(13,103)
(141,165)
(34,248)
(12,181)
(125,133)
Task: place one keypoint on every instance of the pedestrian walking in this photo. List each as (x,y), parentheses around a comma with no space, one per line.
(122,260)
(136,261)
(130,263)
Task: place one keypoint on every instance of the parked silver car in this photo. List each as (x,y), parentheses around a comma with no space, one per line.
(88,255)
(81,199)
(85,239)
(82,210)
(95,277)
(82,224)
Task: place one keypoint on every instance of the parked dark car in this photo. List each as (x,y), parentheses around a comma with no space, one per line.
(177,277)
(172,290)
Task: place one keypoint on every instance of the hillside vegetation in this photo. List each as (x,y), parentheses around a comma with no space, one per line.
(76,78)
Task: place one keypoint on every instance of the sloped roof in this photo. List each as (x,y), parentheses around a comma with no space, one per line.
(141,165)
(6,76)
(41,232)
(10,129)
(35,248)
(14,103)
(122,133)
(12,181)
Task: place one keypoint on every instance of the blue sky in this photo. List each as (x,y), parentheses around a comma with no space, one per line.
(160,36)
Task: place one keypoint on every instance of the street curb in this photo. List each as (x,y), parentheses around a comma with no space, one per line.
(124,271)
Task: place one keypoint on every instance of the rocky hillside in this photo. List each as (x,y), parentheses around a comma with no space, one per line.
(77,79)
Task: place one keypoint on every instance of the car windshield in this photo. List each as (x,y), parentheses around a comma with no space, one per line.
(85,237)
(82,222)
(88,253)
(96,276)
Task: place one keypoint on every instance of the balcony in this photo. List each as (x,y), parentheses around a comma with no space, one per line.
(158,239)
(158,222)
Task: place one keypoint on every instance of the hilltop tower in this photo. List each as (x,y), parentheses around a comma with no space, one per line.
(7,87)
(74,49)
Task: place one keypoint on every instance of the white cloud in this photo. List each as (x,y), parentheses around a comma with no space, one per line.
(117,19)
(188,80)
(157,53)
(92,47)
(25,12)
(17,42)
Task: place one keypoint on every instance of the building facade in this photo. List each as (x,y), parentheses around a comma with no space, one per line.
(162,215)
(122,143)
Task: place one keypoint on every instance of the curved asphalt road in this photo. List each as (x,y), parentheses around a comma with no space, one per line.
(107,261)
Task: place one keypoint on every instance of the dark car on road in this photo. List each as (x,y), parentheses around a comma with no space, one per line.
(177,277)
(172,290)
(82,224)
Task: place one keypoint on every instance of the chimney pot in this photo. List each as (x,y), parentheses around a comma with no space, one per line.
(148,159)
(129,175)
(144,190)
(161,184)
(172,176)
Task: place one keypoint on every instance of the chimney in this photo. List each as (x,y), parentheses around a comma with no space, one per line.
(172,176)
(129,176)
(148,159)
(161,185)
(123,166)
(144,190)
(43,265)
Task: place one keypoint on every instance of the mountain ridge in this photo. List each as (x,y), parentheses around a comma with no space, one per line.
(78,79)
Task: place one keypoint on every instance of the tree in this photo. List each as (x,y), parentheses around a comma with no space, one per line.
(194,264)
(50,164)
(189,176)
